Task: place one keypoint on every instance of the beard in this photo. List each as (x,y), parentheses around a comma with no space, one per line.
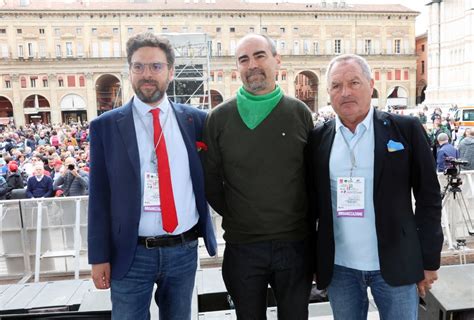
(149,95)
(258,83)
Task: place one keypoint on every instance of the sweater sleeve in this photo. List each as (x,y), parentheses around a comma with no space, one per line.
(214,181)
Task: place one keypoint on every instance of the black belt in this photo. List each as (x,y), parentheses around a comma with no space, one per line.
(168,241)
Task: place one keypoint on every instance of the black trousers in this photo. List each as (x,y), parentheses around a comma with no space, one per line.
(248,269)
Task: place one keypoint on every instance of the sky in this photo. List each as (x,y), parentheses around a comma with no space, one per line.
(418,5)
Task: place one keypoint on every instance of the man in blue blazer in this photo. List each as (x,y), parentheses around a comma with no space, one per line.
(147,205)
(364,167)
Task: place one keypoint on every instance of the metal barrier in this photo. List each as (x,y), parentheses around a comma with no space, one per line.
(49,235)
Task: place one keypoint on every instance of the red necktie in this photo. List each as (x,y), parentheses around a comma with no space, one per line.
(168,209)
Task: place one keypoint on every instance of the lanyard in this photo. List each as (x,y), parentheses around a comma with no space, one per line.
(151,135)
(351,151)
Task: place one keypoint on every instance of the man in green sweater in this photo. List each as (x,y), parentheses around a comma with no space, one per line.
(255,178)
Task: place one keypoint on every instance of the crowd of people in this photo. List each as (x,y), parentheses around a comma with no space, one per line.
(42,160)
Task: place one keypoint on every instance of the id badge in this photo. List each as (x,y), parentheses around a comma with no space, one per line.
(151,193)
(350,197)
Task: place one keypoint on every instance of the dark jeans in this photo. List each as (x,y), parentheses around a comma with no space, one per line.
(285,265)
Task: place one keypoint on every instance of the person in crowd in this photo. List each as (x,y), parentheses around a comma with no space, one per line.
(255,179)
(39,185)
(438,127)
(466,150)
(363,168)
(73,181)
(147,205)
(446,150)
(14,179)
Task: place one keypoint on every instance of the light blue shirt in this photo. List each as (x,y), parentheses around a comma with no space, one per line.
(188,216)
(355,237)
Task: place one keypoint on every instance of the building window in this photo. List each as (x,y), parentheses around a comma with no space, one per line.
(33,82)
(316,47)
(264,29)
(199,29)
(397,46)
(82,81)
(130,30)
(422,67)
(337,46)
(232,29)
(115,30)
(422,48)
(184,29)
(295,29)
(60,82)
(283,76)
(377,75)
(368,46)
(164,29)
(57,32)
(251,29)
(23,82)
(58,50)
(20,51)
(389,75)
(398,75)
(219,49)
(80,50)
(282,30)
(41,31)
(69,49)
(94,31)
(31,52)
(19,31)
(3,31)
(78,30)
(151,29)
(405,75)
(218,29)
(234,76)
(282,46)
(211,76)
(8,84)
(219,76)
(45,82)
(71,81)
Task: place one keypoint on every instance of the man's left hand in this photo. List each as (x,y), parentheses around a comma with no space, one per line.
(430,277)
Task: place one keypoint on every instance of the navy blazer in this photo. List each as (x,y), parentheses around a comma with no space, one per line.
(114,185)
(408,242)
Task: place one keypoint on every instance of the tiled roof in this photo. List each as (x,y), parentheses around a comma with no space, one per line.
(181,5)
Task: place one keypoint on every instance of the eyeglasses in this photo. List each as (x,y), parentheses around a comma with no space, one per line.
(154,67)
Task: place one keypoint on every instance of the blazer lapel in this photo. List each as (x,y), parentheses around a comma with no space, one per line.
(126,128)
(382,133)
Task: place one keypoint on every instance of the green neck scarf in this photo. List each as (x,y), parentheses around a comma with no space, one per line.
(254,109)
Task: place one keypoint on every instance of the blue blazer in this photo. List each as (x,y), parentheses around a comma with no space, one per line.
(114,185)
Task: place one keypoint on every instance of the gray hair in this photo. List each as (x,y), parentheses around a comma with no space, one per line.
(442,137)
(270,42)
(148,39)
(346,57)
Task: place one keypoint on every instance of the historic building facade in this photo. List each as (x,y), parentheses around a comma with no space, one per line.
(66,60)
(450,53)
(421,67)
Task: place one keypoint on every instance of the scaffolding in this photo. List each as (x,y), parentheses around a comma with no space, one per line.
(192,66)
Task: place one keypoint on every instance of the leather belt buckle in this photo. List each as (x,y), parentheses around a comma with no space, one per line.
(146,242)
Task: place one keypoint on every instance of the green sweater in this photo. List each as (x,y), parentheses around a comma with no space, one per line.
(255,178)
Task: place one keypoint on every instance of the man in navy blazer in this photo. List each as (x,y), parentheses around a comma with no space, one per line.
(130,245)
(364,166)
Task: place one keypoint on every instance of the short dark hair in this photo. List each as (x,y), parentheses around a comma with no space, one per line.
(148,39)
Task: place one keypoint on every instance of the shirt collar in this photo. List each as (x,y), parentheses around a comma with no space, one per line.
(367,122)
(142,108)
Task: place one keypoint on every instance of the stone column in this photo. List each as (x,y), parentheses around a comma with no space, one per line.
(56,116)
(91,98)
(18,111)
